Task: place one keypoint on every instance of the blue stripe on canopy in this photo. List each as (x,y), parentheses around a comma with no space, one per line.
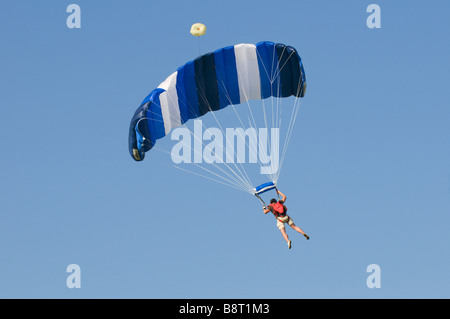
(190,89)
(156,124)
(290,71)
(206,80)
(183,103)
(268,68)
(227,78)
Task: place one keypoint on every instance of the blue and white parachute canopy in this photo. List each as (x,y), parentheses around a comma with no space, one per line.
(231,75)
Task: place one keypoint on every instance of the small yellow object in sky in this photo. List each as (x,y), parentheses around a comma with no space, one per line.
(198,29)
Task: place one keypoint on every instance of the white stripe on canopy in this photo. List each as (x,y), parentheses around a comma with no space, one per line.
(248,72)
(169,103)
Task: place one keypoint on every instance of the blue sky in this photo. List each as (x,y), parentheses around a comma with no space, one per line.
(367,171)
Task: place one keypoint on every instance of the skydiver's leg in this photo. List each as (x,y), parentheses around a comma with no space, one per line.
(285,236)
(281,227)
(298,229)
(290,222)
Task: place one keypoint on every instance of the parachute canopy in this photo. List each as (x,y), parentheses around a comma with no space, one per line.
(231,75)
(211,82)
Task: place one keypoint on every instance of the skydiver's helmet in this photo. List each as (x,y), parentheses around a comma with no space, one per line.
(273,201)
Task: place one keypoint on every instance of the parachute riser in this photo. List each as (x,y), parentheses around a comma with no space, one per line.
(276,189)
(262,202)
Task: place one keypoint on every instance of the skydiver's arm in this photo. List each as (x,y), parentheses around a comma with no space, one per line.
(283,197)
(266,209)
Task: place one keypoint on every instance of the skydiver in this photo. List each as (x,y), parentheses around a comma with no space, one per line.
(279,210)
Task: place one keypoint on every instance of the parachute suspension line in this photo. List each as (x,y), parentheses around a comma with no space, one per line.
(231,181)
(241,179)
(295,111)
(245,179)
(293,118)
(270,78)
(270,177)
(240,120)
(293,114)
(290,130)
(269,145)
(272,74)
(243,173)
(255,126)
(279,108)
(278,68)
(265,159)
(278,100)
(215,180)
(277,116)
(245,184)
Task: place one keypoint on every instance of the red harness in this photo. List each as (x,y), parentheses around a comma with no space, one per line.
(278,209)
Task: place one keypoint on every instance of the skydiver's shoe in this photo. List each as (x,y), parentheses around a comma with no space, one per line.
(306,236)
(289,244)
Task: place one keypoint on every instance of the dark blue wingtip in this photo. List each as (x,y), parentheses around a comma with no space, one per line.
(138,126)
(137,156)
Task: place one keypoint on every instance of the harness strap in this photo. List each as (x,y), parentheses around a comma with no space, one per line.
(285,221)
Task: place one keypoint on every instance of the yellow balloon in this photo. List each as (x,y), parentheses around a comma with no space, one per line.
(198,29)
